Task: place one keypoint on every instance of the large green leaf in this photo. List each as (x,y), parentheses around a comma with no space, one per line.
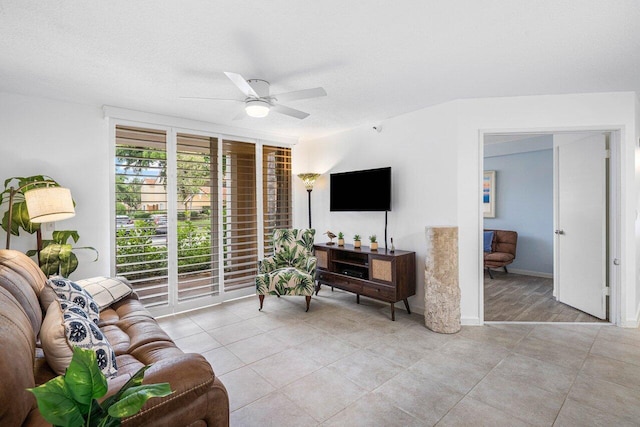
(68,261)
(50,259)
(135,380)
(62,236)
(135,397)
(56,404)
(83,377)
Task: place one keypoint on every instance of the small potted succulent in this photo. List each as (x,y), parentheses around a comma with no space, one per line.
(340,238)
(374,242)
(356,241)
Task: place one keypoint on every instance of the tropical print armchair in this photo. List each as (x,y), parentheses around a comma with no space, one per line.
(292,268)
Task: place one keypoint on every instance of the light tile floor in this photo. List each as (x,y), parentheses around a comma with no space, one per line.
(346,364)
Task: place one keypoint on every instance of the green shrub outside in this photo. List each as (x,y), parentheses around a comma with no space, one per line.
(135,246)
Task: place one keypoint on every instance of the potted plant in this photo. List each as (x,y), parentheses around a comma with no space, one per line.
(56,256)
(340,238)
(70,399)
(374,242)
(356,241)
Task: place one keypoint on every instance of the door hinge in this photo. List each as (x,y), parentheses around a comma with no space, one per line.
(607,154)
(606,292)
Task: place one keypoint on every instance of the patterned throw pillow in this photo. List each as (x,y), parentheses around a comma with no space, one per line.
(71,307)
(70,291)
(106,290)
(64,328)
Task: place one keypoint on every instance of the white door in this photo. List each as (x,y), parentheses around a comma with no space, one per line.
(581,215)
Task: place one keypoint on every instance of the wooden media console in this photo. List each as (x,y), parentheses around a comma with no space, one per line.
(379,274)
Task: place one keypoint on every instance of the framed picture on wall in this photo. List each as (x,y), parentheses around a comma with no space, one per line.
(489,194)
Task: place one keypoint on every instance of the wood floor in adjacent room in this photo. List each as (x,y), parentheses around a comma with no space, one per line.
(517,298)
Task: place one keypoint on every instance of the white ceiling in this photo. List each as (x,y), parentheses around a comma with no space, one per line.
(376,59)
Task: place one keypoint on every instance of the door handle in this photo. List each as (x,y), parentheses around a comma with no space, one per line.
(559,231)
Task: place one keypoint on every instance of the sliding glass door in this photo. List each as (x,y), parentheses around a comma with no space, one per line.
(191,218)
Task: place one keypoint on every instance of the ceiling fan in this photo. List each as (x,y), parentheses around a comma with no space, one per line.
(258,101)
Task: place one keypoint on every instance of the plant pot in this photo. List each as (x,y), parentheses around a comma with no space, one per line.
(374,246)
(357,243)
(340,242)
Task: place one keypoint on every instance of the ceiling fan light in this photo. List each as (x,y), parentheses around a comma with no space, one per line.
(257,108)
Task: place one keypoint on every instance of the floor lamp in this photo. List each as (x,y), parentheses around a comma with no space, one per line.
(44,204)
(309,179)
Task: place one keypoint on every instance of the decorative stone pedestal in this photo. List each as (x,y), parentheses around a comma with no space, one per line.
(441,290)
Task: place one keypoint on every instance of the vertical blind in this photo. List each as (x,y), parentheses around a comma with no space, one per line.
(276,192)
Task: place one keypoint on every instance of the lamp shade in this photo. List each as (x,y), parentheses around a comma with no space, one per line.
(309,179)
(49,204)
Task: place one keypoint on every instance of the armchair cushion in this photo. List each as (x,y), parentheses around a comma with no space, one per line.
(285,281)
(291,269)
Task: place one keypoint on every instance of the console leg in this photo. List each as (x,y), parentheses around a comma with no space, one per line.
(308,298)
(393,312)
(406,304)
(332,289)
(358,298)
(261,297)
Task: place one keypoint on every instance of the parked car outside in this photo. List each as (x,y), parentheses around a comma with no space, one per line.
(124,222)
(161,225)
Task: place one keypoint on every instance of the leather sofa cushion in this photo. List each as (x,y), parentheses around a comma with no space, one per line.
(16,361)
(24,280)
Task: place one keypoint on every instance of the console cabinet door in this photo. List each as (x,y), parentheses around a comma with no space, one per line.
(323,259)
(382,269)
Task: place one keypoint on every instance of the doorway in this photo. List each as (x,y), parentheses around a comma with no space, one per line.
(531,288)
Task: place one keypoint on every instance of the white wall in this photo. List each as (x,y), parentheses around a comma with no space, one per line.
(537,113)
(67,142)
(524,203)
(436,154)
(421,150)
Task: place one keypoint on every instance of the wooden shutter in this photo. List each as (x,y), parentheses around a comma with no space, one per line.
(276,192)
(197,207)
(240,222)
(140,170)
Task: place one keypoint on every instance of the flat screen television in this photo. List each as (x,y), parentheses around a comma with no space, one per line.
(364,190)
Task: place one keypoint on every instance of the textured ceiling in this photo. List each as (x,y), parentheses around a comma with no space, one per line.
(376,59)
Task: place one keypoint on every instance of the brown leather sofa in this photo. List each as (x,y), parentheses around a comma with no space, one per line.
(198,399)
(503,250)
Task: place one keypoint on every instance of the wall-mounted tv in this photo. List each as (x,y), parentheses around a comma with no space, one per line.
(364,190)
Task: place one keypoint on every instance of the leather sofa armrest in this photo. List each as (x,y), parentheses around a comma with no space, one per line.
(197,394)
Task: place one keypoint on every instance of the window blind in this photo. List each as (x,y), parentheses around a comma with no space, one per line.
(140,172)
(197,207)
(276,192)
(240,222)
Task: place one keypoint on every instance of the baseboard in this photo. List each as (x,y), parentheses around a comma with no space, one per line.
(530,273)
(470,321)
(632,323)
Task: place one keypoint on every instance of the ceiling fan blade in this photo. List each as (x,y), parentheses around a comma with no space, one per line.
(205,98)
(301,94)
(242,84)
(289,111)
